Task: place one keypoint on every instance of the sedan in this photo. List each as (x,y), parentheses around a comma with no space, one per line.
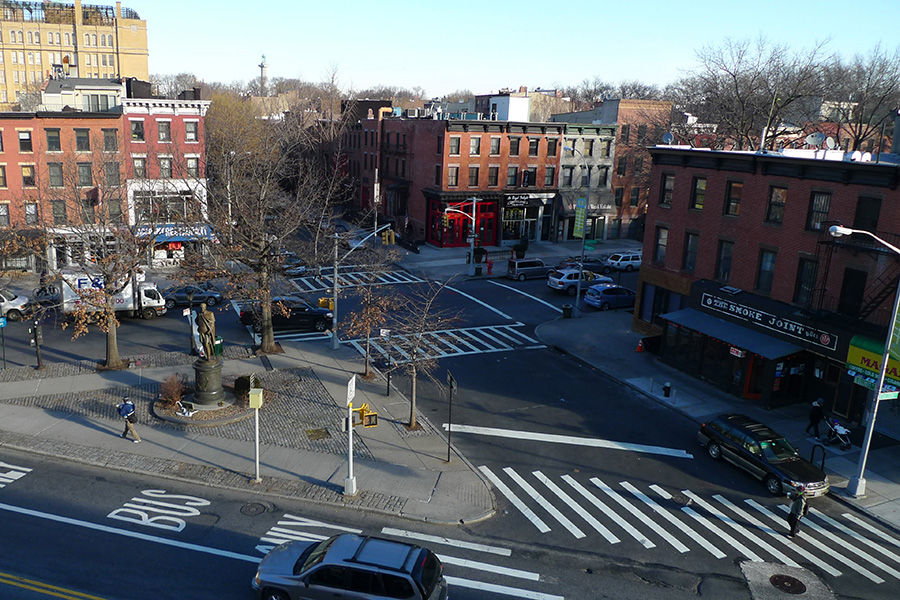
(591,263)
(202,295)
(606,296)
(290,313)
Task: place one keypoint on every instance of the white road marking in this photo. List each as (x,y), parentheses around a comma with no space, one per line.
(476,300)
(536,299)
(861,553)
(601,529)
(637,535)
(434,539)
(740,547)
(131,534)
(759,525)
(480,566)
(565,439)
(672,519)
(853,534)
(501,589)
(573,529)
(511,496)
(878,532)
(643,518)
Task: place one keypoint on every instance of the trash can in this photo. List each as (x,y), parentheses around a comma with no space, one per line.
(218,346)
(567,311)
(477,270)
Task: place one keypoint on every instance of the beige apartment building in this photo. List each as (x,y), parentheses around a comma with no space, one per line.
(77,40)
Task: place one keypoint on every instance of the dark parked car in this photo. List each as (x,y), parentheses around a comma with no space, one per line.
(202,294)
(350,566)
(762,453)
(290,312)
(591,263)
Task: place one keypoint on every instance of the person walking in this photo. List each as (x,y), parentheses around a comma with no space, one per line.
(126,411)
(815,417)
(799,509)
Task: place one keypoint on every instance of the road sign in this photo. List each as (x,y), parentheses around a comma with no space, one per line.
(2,321)
(451,381)
(887,396)
(385,333)
(186,312)
(351,390)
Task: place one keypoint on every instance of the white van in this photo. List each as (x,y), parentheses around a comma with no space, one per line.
(14,307)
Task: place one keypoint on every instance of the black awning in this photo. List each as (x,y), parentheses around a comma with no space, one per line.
(731,333)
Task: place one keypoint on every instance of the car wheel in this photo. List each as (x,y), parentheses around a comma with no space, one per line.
(629,268)
(211,301)
(715,451)
(13,315)
(774,486)
(571,290)
(170,304)
(274,595)
(522,277)
(606,270)
(321,326)
(148,313)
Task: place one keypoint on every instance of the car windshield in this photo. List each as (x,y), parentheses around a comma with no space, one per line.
(778,450)
(312,556)
(556,274)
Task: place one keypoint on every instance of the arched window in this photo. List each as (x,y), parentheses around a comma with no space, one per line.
(37,37)
(31,58)
(68,40)
(57,38)
(30,38)
(87,39)
(21,37)
(49,38)
(94,40)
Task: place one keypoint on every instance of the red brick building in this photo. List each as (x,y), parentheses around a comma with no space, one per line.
(747,288)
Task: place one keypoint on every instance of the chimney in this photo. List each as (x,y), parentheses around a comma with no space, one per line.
(523,89)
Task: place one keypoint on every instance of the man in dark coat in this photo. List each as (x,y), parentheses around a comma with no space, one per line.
(815,417)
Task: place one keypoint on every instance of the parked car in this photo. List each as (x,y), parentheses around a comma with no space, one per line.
(179,295)
(591,263)
(623,261)
(523,268)
(290,312)
(15,307)
(350,566)
(606,296)
(763,453)
(567,280)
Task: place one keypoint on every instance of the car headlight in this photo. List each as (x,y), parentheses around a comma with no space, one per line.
(256,578)
(330,315)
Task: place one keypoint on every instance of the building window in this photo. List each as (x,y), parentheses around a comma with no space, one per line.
(641,134)
(2,176)
(495,146)
(549,176)
(775,210)
(110,140)
(765,273)
(552,145)
(165,168)
(137,131)
(513,146)
(666,190)
(85,179)
(662,241)
(55,172)
(454,146)
(440,144)
(698,193)
(512,175)
(603,176)
(112,174)
(25,141)
(474,146)
(585,177)
(87,211)
(4,215)
(818,210)
(27,175)
(191,131)
(529,177)
(82,140)
(605,148)
(193,166)
(453,177)
(570,148)
(533,146)
(806,282)
(437,175)
(619,194)
(164,130)
(638,164)
(723,261)
(115,212)
(31,213)
(691,243)
(626,134)
(622,166)
(589,147)
(493,176)
(635,195)
(567,176)
(140,167)
(53,143)
(59,212)
(473,176)
(733,198)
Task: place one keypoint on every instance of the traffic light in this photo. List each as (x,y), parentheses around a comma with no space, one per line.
(387,237)
(445,220)
(369,419)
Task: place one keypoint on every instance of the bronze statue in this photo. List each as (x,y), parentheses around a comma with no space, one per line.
(206,327)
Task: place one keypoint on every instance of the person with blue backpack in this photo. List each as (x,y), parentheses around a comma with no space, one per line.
(126,411)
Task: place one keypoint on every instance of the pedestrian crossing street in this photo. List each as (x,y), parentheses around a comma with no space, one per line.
(452,342)
(684,521)
(348,277)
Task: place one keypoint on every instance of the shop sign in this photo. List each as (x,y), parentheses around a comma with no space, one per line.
(517,201)
(737,352)
(580,217)
(770,321)
(869,364)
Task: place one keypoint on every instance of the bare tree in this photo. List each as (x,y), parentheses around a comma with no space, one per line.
(169,86)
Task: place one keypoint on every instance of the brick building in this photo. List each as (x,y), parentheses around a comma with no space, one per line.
(747,288)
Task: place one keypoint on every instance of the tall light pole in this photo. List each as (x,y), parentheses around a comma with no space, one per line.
(856,487)
(474,219)
(587,202)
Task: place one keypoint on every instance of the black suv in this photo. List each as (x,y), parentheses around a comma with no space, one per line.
(763,453)
(350,566)
(290,313)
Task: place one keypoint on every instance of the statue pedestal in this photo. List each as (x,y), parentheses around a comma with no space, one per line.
(208,382)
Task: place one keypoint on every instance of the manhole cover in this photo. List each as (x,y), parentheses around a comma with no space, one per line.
(252,509)
(317,434)
(788,584)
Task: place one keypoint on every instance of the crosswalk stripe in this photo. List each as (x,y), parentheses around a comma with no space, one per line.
(597,525)
(658,510)
(855,535)
(500,589)
(536,496)
(508,333)
(861,553)
(822,547)
(759,525)
(487,332)
(435,539)
(876,531)
(678,523)
(643,518)
(740,547)
(628,527)
(511,496)
(480,566)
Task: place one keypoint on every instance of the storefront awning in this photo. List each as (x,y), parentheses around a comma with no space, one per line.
(864,362)
(175,233)
(732,333)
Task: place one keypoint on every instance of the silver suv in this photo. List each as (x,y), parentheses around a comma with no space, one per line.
(351,567)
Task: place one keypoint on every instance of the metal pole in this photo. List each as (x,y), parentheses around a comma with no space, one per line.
(387,391)
(191,323)
(587,203)
(472,240)
(449,422)
(335,342)
(3,337)
(350,484)
(256,411)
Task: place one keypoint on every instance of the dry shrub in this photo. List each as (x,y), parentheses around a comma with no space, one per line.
(172,390)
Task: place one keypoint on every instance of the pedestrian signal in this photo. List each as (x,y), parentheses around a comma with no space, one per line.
(370,419)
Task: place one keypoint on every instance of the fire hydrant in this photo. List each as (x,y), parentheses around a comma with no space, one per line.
(490,265)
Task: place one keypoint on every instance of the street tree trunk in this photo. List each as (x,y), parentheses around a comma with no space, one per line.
(412,398)
(113,360)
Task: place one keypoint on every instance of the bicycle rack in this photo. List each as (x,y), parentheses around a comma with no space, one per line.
(812,455)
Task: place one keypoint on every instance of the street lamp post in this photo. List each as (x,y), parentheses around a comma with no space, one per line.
(190,297)
(856,487)
(474,220)
(587,202)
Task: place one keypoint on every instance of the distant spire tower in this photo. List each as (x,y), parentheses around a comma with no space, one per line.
(263,72)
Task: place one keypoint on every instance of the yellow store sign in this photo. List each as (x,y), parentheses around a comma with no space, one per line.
(865,356)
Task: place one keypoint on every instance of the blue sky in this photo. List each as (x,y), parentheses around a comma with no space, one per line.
(446,46)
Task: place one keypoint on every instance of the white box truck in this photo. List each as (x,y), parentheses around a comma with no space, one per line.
(138,298)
